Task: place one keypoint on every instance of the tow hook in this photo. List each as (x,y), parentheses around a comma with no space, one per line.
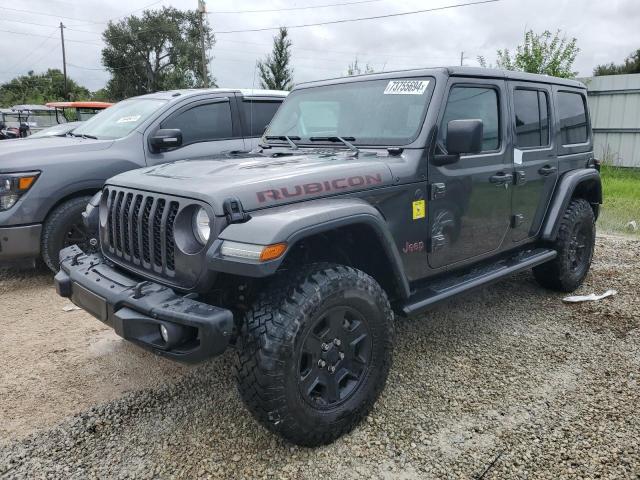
(137,290)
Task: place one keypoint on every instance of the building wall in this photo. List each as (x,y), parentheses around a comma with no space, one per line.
(614,102)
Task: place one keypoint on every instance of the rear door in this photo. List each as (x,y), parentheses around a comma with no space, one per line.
(209,126)
(535,163)
(256,113)
(470,202)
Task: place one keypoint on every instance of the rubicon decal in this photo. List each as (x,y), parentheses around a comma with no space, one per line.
(315,188)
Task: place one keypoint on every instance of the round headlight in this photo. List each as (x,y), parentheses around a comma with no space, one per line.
(201,225)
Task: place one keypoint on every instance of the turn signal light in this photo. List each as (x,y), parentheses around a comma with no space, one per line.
(24,183)
(271,252)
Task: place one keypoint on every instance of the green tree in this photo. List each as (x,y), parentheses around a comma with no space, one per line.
(275,72)
(158,51)
(545,53)
(40,88)
(631,65)
(354,68)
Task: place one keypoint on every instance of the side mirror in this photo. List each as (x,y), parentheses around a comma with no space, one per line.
(166,139)
(464,136)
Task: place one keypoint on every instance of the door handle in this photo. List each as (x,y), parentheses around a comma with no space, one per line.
(500,178)
(547,170)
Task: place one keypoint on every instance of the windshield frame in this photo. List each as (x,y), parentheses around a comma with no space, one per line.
(84,128)
(385,143)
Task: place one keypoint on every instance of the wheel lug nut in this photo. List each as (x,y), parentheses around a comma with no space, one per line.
(337,342)
(332,369)
(341,355)
(325,346)
(322,363)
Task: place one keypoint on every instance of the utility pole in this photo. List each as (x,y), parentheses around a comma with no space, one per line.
(64,62)
(461,59)
(202,8)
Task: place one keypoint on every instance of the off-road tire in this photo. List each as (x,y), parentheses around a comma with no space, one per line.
(57,225)
(564,273)
(271,343)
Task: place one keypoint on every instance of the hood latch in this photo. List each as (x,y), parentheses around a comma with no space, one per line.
(233,210)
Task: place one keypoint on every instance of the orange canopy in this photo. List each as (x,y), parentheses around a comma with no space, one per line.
(79,104)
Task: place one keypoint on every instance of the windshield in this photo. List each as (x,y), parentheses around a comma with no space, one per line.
(121,119)
(375,112)
(56,130)
(12,120)
(41,119)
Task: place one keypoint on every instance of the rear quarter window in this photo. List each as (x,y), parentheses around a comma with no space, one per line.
(572,113)
(258,114)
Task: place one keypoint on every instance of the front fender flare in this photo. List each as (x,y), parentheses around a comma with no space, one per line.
(567,186)
(292,223)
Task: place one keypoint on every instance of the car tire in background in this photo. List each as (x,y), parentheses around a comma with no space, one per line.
(62,228)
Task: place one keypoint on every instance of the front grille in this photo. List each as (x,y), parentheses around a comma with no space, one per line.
(140,229)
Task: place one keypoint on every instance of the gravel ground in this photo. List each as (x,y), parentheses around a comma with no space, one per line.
(508,379)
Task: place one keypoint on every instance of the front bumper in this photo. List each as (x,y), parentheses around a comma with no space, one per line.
(136,309)
(17,243)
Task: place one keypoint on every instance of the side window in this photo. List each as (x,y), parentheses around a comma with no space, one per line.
(573,118)
(532,118)
(475,103)
(202,123)
(258,115)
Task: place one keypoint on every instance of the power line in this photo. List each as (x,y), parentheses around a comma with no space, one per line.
(85,20)
(359,19)
(45,36)
(54,15)
(24,59)
(26,23)
(122,16)
(308,7)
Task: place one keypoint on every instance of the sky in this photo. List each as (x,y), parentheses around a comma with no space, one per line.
(606,32)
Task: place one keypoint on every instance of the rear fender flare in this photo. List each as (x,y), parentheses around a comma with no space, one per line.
(586,182)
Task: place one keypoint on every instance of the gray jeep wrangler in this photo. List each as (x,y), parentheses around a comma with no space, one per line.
(369,197)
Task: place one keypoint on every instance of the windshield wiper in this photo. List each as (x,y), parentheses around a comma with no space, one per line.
(345,140)
(83,135)
(289,140)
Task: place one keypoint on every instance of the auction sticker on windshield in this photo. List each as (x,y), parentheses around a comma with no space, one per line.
(406,87)
(130,118)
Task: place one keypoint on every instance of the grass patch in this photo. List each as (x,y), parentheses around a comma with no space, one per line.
(621,199)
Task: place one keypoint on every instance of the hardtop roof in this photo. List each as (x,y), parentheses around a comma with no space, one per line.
(474,72)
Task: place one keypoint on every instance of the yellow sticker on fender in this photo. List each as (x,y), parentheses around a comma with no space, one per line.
(419,210)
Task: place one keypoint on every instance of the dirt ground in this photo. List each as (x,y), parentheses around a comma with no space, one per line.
(57,362)
(508,379)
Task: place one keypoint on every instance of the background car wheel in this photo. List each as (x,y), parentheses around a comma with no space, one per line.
(574,244)
(315,352)
(64,227)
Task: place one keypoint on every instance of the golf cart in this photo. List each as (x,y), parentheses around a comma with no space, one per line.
(77,111)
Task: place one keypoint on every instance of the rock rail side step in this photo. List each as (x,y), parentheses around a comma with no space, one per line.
(444,288)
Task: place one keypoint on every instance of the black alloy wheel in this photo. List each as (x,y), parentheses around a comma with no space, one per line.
(335,357)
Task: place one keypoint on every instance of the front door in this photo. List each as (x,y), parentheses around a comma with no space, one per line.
(470,201)
(208,128)
(534,158)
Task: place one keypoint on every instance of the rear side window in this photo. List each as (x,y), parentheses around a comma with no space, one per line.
(573,118)
(467,103)
(202,123)
(257,115)
(532,118)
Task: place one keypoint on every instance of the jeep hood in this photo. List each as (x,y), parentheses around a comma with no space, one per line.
(259,181)
(38,152)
